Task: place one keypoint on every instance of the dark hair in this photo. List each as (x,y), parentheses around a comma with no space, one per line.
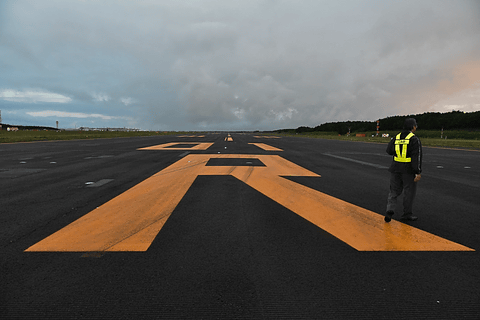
(409,124)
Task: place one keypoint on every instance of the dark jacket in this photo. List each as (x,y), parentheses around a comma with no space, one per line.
(414,151)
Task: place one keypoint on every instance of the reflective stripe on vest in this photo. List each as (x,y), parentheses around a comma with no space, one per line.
(402,151)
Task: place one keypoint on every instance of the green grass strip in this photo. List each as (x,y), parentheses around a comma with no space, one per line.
(51,135)
(426,137)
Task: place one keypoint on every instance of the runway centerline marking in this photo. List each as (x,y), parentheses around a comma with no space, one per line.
(132,220)
(99,183)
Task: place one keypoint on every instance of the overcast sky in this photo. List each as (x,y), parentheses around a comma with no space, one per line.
(234,65)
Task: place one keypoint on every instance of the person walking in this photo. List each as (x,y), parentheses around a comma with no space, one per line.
(405,170)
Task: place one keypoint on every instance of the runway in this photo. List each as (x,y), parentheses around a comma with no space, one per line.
(233,226)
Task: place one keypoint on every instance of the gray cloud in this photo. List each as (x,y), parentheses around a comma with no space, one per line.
(243,65)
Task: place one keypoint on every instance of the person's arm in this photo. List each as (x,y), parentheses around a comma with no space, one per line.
(391,147)
(417,158)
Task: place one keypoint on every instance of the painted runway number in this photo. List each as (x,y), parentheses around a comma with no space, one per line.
(132,220)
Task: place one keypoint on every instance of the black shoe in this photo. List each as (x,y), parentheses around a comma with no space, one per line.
(409,217)
(388,216)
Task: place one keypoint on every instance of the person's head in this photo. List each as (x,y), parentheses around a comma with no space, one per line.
(410,124)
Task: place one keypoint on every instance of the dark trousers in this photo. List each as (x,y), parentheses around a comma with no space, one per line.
(402,182)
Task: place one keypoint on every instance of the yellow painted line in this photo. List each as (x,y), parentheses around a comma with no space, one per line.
(266,147)
(167,146)
(131,221)
(360,228)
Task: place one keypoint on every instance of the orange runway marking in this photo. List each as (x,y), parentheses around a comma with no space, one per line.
(266,147)
(168,146)
(131,221)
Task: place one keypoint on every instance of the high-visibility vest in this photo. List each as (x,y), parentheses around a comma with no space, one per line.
(401,148)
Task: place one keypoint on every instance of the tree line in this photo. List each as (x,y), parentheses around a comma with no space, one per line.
(454,120)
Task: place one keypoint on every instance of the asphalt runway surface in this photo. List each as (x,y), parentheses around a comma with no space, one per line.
(241,234)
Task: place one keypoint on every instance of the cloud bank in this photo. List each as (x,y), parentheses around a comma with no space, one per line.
(247,65)
(63,114)
(33,96)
